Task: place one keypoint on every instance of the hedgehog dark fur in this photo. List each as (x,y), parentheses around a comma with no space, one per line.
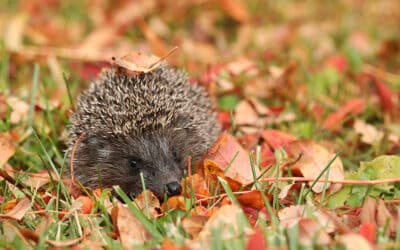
(149,123)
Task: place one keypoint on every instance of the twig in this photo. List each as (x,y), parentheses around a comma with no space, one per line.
(73,156)
(355,182)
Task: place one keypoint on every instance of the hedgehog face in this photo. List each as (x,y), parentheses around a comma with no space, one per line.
(121,161)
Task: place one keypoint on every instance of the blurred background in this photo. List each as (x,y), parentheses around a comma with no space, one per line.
(286,65)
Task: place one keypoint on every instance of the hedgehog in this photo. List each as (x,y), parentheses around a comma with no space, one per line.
(148,124)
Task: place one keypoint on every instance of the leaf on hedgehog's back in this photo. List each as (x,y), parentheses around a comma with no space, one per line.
(232,159)
(137,62)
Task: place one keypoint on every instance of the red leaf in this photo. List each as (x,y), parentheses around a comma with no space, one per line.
(368,231)
(277,139)
(257,241)
(225,119)
(338,62)
(385,95)
(335,119)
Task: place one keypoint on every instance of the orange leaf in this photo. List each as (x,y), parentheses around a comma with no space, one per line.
(253,199)
(335,119)
(368,231)
(19,211)
(236,9)
(87,204)
(277,139)
(169,245)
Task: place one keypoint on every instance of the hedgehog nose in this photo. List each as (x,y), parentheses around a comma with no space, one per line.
(173,188)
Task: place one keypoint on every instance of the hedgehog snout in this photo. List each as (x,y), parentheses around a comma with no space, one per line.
(173,188)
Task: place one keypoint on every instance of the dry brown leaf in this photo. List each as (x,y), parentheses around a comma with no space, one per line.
(226,220)
(19,211)
(368,211)
(251,116)
(36,180)
(354,241)
(131,231)
(310,230)
(194,224)
(7,147)
(293,214)
(314,159)
(369,134)
(227,153)
(20,109)
(137,62)
(289,215)
(384,217)
(152,203)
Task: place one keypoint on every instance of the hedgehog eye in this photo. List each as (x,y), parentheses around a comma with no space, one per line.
(133,163)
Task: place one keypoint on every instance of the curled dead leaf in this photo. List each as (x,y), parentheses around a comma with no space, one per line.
(19,211)
(232,160)
(314,159)
(194,224)
(7,147)
(137,62)
(130,229)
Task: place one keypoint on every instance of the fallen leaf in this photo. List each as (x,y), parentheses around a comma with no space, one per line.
(194,224)
(174,202)
(19,211)
(385,218)
(369,134)
(87,204)
(152,203)
(226,220)
(253,199)
(368,231)
(130,230)
(20,109)
(277,139)
(7,147)
(311,231)
(354,241)
(335,119)
(232,159)
(167,244)
(386,96)
(257,241)
(314,159)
